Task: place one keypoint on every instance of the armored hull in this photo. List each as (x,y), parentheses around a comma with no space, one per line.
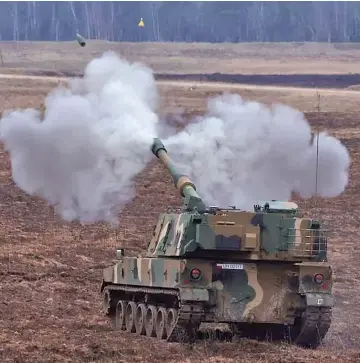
(264,273)
(259,299)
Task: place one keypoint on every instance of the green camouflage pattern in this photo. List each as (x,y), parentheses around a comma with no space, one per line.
(254,235)
(247,292)
(255,266)
(273,231)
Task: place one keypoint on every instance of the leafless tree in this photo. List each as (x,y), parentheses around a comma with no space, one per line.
(330,21)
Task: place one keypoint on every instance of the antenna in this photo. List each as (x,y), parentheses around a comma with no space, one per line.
(317,150)
(318,217)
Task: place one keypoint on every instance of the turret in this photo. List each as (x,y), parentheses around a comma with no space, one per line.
(182,182)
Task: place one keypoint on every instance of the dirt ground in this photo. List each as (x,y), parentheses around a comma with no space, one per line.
(50,271)
(315,65)
(177,58)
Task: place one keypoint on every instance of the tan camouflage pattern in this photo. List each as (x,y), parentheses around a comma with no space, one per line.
(261,235)
(255,266)
(255,293)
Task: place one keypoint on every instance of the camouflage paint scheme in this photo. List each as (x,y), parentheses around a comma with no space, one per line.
(259,292)
(265,236)
(272,256)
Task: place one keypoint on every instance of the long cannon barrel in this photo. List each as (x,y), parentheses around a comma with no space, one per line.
(182,182)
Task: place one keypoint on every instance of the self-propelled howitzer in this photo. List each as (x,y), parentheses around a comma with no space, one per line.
(263,272)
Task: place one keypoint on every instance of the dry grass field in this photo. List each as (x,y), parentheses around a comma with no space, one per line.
(177,58)
(50,271)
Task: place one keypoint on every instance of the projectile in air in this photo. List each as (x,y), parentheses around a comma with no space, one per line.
(80,40)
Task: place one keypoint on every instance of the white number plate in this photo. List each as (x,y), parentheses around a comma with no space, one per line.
(230,266)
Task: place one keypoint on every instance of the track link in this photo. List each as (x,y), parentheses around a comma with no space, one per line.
(187,324)
(311,328)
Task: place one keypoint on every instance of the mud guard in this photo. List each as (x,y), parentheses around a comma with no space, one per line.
(319,300)
(108,277)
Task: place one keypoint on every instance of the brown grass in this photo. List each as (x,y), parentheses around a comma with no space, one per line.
(193,96)
(50,270)
(246,58)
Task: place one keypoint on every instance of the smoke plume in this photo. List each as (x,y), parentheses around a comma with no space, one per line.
(96,134)
(94,138)
(243,152)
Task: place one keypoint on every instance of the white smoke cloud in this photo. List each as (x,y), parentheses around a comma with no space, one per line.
(95,137)
(242,152)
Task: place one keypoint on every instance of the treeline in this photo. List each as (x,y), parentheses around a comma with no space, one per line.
(332,21)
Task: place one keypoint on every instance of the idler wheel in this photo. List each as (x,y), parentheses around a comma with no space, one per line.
(106,302)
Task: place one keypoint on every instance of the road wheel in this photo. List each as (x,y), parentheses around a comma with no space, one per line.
(150,317)
(140,319)
(160,323)
(130,317)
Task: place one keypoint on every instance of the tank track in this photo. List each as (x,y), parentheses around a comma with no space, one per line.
(187,317)
(311,328)
(308,331)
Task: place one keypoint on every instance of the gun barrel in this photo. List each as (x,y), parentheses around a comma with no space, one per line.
(181,181)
